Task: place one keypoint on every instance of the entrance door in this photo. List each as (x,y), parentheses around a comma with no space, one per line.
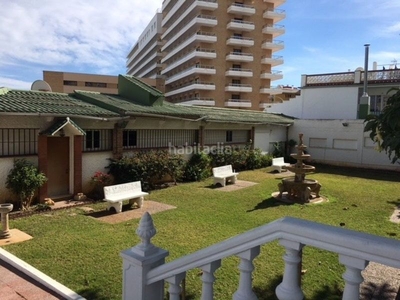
(58,166)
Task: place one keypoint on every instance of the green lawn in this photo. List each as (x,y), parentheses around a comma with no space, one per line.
(83,253)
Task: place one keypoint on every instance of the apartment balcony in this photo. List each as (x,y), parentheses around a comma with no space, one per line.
(146,64)
(198,37)
(142,53)
(274,30)
(197,69)
(194,24)
(276,14)
(271,90)
(199,5)
(274,75)
(240,41)
(239,72)
(273,45)
(196,54)
(240,57)
(238,88)
(241,9)
(199,102)
(275,2)
(238,103)
(275,60)
(199,85)
(240,25)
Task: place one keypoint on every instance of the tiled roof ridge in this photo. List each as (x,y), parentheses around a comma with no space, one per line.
(139,82)
(35,92)
(86,91)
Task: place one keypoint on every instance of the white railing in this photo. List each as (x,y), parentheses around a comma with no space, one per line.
(144,268)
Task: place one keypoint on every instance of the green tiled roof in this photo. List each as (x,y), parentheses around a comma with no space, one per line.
(36,102)
(212,114)
(153,91)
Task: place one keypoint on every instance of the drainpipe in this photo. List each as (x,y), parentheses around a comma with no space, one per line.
(364,106)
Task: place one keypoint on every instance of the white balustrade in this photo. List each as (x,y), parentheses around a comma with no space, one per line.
(208,279)
(246,267)
(175,289)
(289,289)
(144,268)
(352,276)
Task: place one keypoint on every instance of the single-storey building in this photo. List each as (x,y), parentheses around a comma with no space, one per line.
(71,136)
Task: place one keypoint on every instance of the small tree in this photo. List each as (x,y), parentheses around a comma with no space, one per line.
(385,128)
(23,180)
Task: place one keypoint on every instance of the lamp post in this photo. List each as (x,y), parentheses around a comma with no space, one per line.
(365,99)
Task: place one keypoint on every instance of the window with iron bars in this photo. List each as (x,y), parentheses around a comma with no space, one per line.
(17,142)
(213,137)
(159,138)
(97,140)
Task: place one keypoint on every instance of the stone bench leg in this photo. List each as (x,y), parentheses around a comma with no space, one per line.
(221,181)
(117,206)
(138,201)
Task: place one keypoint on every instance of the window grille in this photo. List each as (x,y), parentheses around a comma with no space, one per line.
(97,140)
(71,82)
(214,137)
(15,142)
(156,138)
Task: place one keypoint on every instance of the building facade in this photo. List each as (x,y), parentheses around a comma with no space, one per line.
(338,95)
(67,82)
(213,53)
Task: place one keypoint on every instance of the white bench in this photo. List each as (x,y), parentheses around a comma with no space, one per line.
(224,174)
(278,164)
(116,194)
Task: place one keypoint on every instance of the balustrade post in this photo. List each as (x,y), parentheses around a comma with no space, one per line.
(246,267)
(352,276)
(138,261)
(208,279)
(289,288)
(174,286)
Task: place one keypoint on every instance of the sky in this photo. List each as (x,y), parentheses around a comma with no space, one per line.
(95,36)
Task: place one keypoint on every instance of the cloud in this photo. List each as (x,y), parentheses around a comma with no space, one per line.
(91,33)
(14,83)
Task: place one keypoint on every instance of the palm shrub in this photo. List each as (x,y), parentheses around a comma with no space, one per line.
(23,180)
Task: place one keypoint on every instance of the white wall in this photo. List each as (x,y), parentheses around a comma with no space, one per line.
(93,162)
(321,103)
(6,164)
(266,136)
(330,142)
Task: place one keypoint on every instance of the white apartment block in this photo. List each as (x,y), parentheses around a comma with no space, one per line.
(213,52)
(144,59)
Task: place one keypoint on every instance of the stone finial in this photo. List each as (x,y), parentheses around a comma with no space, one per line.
(145,231)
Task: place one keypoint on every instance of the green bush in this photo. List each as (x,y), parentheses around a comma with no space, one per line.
(23,180)
(198,167)
(149,167)
(240,159)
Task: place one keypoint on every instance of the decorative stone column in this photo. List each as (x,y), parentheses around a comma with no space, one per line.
(290,289)
(5,208)
(138,261)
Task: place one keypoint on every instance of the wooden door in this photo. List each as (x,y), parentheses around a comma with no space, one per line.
(58,166)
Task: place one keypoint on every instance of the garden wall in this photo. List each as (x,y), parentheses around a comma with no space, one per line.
(340,142)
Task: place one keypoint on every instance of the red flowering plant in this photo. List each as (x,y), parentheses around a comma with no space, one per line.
(100,180)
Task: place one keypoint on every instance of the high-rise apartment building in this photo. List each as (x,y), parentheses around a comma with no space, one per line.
(217,53)
(144,59)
